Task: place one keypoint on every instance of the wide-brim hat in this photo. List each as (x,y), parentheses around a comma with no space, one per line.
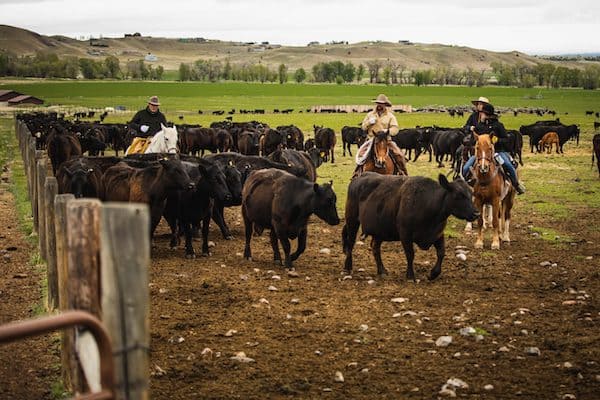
(488,109)
(154,101)
(382,99)
(481,99)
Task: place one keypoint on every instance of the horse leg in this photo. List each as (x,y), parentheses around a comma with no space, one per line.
(508,203)
(479,207)
(376,243)
(496,209)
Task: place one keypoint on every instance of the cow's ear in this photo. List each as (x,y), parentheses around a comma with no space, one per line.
(203,170)
(316,187)
(444,182)
(68,172)
(331,184)
(230,163)
(90,170)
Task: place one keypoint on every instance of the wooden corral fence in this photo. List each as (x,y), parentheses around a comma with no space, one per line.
(357,108)
(97,257)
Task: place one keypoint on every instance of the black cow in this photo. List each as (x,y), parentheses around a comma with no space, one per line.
(411,139)
(293,136)
(325,142)
(406,209)
(298,159)
(80,177)
(189,208)
(248,143)
(309,144)
(151,185)
(596,150)
(596,125)
(271,141)
(352,135)
(223,140)
(62,146)
(445,143)
(282,202)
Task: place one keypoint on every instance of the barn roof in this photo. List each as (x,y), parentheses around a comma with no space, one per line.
(23,97)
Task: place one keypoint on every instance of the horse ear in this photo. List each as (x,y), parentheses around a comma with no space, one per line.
(162,127)
(476,136)
(444,182)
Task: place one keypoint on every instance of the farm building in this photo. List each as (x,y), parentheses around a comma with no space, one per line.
(25,99)
(150,57)
(6,95)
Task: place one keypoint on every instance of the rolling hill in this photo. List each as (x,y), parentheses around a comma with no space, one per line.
(171,52)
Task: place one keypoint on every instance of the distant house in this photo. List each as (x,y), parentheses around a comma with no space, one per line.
(313,43)
(6,95)
(150,57)
(25,99)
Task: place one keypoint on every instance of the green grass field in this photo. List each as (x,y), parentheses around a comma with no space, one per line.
(557,186)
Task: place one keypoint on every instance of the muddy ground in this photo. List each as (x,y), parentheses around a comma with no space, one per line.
(319,323)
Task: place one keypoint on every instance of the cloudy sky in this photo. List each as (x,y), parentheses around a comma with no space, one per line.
(531,26)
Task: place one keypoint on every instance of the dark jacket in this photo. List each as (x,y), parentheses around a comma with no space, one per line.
(495,128)
(145,117)
(472,121)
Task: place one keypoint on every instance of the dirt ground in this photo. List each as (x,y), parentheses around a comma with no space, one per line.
(303,329)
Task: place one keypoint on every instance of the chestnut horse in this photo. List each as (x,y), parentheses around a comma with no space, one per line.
(493,189)
(380,160)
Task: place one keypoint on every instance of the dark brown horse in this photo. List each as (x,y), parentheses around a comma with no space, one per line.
(381,161)
(491,188)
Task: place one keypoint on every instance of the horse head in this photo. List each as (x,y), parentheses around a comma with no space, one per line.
(484,154)
(164,141)
(380,148)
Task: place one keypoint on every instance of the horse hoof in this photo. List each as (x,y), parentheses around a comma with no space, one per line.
(495,246)
(479,245)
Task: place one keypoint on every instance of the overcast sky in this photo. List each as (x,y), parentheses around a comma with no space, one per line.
(531,26)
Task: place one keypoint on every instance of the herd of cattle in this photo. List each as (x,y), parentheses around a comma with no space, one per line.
(189,190)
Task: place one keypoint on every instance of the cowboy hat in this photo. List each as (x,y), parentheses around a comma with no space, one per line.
(488,109)
(154,101)
(382,99)
(481,99)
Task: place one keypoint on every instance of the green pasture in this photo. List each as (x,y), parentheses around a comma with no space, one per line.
(559,187)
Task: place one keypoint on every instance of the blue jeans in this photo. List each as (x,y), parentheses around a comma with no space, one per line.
(508,167)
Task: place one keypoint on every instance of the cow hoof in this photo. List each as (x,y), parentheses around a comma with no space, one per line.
(434,274)
(205,254)
(190,256)
(278,263)
(248,258)
(229,237)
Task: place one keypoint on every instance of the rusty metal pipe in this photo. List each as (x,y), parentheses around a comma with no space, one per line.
(21,329)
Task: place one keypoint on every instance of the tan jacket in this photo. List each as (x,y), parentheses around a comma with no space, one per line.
(387,120)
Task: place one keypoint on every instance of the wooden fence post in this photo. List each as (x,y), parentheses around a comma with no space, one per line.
(41,205)
(50,192)
(60,227)
(125,259)
(38,154)
(83,271)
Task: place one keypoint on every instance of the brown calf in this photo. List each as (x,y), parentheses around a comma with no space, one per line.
(548,139)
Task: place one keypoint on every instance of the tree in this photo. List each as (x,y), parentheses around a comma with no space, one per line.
(185,72)
(300,75)
(227,71)
(387,74)
(348,72)
(282,73)
(113,69)
(590,77)
(374,66)
(360,72)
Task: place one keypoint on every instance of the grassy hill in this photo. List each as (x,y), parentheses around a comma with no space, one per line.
(172,52)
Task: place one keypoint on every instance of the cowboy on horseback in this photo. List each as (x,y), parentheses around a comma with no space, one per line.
(488,123)
(146,123)
(382,119)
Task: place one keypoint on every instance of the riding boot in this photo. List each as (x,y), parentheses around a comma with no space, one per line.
(519,187)
(399,158)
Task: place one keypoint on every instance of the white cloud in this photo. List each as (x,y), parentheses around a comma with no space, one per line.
(525,25)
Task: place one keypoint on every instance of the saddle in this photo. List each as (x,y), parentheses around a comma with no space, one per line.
(367,149)
(138,145)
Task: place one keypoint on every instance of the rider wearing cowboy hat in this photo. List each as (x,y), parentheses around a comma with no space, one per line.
(475,117)
(382,119)
(489,124)
(147,121)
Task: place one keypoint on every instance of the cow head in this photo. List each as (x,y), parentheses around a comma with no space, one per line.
(215,179)
(324,204)
(79,180)
(176,175)
(315,157)
(459,199)
(233,178)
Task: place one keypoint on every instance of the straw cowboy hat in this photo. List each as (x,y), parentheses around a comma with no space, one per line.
(154,101)
(482,99)
(382,99)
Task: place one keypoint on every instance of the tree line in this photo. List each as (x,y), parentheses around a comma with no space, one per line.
(47,65)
